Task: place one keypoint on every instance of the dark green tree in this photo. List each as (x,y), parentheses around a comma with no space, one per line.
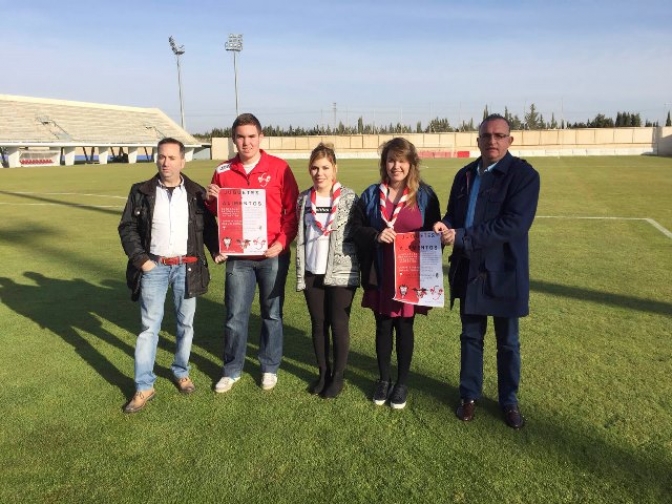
(437,125)
(553,124)
(532,118)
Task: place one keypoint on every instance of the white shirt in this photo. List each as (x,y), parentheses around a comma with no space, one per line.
(249,167)
(317,244)
(170,222)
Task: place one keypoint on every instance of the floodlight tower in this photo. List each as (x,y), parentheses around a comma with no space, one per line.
(235,45)
(178,51)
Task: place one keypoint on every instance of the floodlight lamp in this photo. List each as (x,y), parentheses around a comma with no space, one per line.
(235,42)
(177,50)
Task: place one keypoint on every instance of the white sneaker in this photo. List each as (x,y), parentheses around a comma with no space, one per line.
(225,384)
(269,381)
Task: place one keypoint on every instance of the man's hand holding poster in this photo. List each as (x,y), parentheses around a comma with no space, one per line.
(418,268)
(241,216)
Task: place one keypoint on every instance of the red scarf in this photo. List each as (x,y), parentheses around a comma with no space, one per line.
(384,189)
(336,196)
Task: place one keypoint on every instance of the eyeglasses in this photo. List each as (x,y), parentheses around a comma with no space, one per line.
(494,136)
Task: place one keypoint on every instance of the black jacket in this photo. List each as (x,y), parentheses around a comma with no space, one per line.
(489,267)
(135,230)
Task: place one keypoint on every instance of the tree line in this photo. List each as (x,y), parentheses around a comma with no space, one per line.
(532,120)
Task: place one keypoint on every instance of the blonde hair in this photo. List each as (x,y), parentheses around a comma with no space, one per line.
(323,150)
(400,148)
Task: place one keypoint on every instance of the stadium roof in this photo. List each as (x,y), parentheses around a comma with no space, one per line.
(26,121)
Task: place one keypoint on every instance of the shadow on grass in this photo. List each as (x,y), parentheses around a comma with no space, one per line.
(54,201)
(72,308)
(594,296)
(607,298)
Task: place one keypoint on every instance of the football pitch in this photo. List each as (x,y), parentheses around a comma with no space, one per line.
(596,363)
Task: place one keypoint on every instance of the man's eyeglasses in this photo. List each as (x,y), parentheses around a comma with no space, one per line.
(495,136)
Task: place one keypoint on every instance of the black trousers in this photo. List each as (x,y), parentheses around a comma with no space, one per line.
(403,328)
(329,309)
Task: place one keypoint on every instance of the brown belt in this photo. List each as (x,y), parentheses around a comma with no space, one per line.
(175,261)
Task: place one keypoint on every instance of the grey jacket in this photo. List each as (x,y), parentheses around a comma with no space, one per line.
(342,263)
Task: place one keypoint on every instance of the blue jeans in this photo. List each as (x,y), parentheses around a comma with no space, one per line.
(153,290)
(508,357)
(242,277)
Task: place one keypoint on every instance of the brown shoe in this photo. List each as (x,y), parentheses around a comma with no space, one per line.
(466,409)
(513,418)
(139,400)
(185,385)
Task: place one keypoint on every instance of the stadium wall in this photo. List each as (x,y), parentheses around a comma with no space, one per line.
(531,143)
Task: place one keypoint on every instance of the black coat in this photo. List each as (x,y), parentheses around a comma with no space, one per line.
(135,230)
(489,267)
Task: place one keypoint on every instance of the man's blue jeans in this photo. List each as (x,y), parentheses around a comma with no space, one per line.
(508,357)
(242,277)
(153,290)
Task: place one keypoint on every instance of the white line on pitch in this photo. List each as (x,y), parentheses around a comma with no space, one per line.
(67,194)
(62,204)
(652,222)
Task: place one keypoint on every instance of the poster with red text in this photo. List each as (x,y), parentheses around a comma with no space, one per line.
(241,215)
(418,269)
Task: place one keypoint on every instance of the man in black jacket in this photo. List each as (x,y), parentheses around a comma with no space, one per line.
(163,231)
(491,208)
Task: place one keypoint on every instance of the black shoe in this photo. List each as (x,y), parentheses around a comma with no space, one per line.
(465,411)
(318,385)
(512,417)
(398,397)
(382,392)
(334,388)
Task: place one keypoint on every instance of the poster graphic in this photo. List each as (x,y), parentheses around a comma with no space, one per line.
(241,215)
(418,269)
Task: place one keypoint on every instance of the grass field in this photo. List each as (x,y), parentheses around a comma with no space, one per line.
(596,387)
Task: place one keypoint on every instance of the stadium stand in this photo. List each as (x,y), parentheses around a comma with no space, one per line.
(39,132)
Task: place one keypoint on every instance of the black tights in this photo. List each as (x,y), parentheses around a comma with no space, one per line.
(403,327)
(329,307)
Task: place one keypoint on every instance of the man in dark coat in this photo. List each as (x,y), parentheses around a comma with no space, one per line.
(163,230)
(490,211)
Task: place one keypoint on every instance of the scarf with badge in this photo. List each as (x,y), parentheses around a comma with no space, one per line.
(336,196)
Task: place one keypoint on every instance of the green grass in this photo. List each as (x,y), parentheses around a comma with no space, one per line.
(596,387)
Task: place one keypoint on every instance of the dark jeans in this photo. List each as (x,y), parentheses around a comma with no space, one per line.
(329,309)
(508,357)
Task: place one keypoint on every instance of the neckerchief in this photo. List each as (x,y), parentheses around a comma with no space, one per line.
(400,204)
(336,196)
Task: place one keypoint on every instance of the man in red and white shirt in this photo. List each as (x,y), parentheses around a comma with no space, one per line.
(253,168)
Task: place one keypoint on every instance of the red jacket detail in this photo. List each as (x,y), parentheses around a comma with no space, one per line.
(274,176)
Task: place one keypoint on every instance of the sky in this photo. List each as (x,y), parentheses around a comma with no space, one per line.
(307,63)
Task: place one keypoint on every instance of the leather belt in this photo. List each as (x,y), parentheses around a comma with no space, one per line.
(175,261)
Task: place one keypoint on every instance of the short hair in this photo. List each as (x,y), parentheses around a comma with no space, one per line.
(323,150)
(494,117)
(174,141)
(400,148)
(245,120)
